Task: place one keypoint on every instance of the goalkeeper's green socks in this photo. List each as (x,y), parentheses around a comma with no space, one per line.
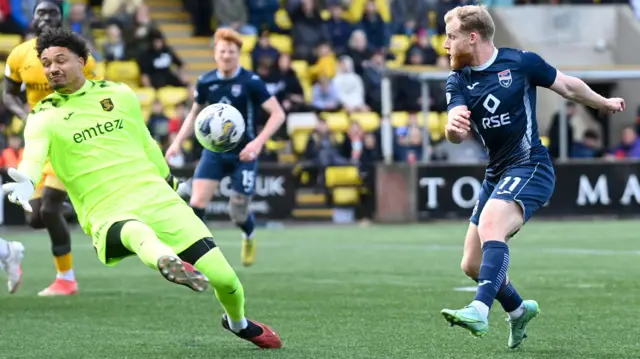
(226,284)
(142,240)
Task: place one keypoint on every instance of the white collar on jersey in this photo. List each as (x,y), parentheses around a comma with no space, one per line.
(488,63)
(219,74)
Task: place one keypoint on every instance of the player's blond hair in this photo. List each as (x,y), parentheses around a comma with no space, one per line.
(227,35)
(473,18)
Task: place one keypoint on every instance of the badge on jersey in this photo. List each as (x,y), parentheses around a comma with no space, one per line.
(107,104)
(236,90)
(504,78)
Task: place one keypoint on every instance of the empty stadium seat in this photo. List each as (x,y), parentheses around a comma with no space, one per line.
(337,121)
(146,95)
(127,72)
(369,121)
(400,44)
(345,196)
(307,89)
(437,42)
(246,61)
(301,68)
(101,69)
(283,20)
(299,139)
(146,112)
(399,119)
(545,141)
(171,96)
(9,42)
(338,176)
(282,43)
(248,42)
(301,121)
(433,124)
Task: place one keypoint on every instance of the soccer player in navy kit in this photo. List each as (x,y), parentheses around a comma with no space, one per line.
(491,93)
(244,90)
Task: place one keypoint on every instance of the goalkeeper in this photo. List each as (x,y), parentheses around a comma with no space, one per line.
(116,176)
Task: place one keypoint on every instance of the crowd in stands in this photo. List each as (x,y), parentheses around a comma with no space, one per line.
(330,67)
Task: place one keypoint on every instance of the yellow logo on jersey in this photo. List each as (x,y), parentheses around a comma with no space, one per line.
(107,104)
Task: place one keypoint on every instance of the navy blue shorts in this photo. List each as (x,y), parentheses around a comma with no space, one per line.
(530,186)
(216,166)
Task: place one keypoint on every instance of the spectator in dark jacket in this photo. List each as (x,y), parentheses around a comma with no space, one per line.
(308,30)
(156,66)
(339,29)
(264,49)
(262,13)
(376,29)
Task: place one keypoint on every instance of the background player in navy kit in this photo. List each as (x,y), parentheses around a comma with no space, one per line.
(493,92)
(244,90)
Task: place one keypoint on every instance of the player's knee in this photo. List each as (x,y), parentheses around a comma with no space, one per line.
(471,268)
(239,208)
(499,220)
(34,219)
(51,209)
(197,202)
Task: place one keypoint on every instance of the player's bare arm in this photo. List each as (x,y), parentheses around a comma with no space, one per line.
(11,95)
(185,131)
(574,89)
(276,119)
(458,125)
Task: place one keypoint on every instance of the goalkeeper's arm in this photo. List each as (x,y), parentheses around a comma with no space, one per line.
(36,148)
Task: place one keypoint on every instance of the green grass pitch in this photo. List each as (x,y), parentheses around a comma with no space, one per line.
(339,292)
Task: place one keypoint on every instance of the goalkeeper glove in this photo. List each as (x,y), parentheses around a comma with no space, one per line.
(20,191)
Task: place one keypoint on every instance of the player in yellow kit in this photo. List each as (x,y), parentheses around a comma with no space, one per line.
(24,67)
(96,139)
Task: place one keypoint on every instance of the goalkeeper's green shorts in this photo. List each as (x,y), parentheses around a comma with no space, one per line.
(175,224)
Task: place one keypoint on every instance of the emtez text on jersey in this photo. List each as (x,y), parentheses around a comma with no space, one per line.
(97,130)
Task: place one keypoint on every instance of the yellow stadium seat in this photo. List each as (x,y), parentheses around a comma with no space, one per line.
(2,66)
(171,96)
(342,176)
(99,41)
(282,19)
(307,89)
(9,42)
(369,121)
(345,196)
(400,43)
(356,10)
(545,141)
(146,112)
(146,95)
(246,61)
(100,69)
(248,42)
(399,119)
(325,15)
(433,122)
(301,68)
(397,62)
(169,111)
(437,42)
(282,43)
(127,72)
(300,139)
(337,121)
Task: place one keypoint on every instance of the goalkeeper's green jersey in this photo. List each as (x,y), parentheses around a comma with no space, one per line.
(100,148)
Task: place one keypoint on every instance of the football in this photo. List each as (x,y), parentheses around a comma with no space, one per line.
(219,127)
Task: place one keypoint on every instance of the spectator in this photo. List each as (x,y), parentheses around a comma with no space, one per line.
(79,22)
(323,151)
(292,95)
(325,97)
(120,11)
(589,147)
(372,78)
(156,63)
(339,29)
(349,87)
(629,146)
(376,29)
(353,145)
(264,49)
(408,96)
(201,12)
(554,130)
(308,30)
(407,15)
(233,14)
(114,48)
(158,124)
(141,31)
(12,155)
(325,65)
(262,13)
(408,141)
(423,45)
(358,50)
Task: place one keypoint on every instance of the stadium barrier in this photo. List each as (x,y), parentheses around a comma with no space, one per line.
(417,193)
(423,192)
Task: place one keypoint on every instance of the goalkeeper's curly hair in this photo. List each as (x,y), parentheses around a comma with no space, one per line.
(59,37)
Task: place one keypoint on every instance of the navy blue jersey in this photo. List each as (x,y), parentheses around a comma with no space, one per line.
(245,91)
(501,96)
